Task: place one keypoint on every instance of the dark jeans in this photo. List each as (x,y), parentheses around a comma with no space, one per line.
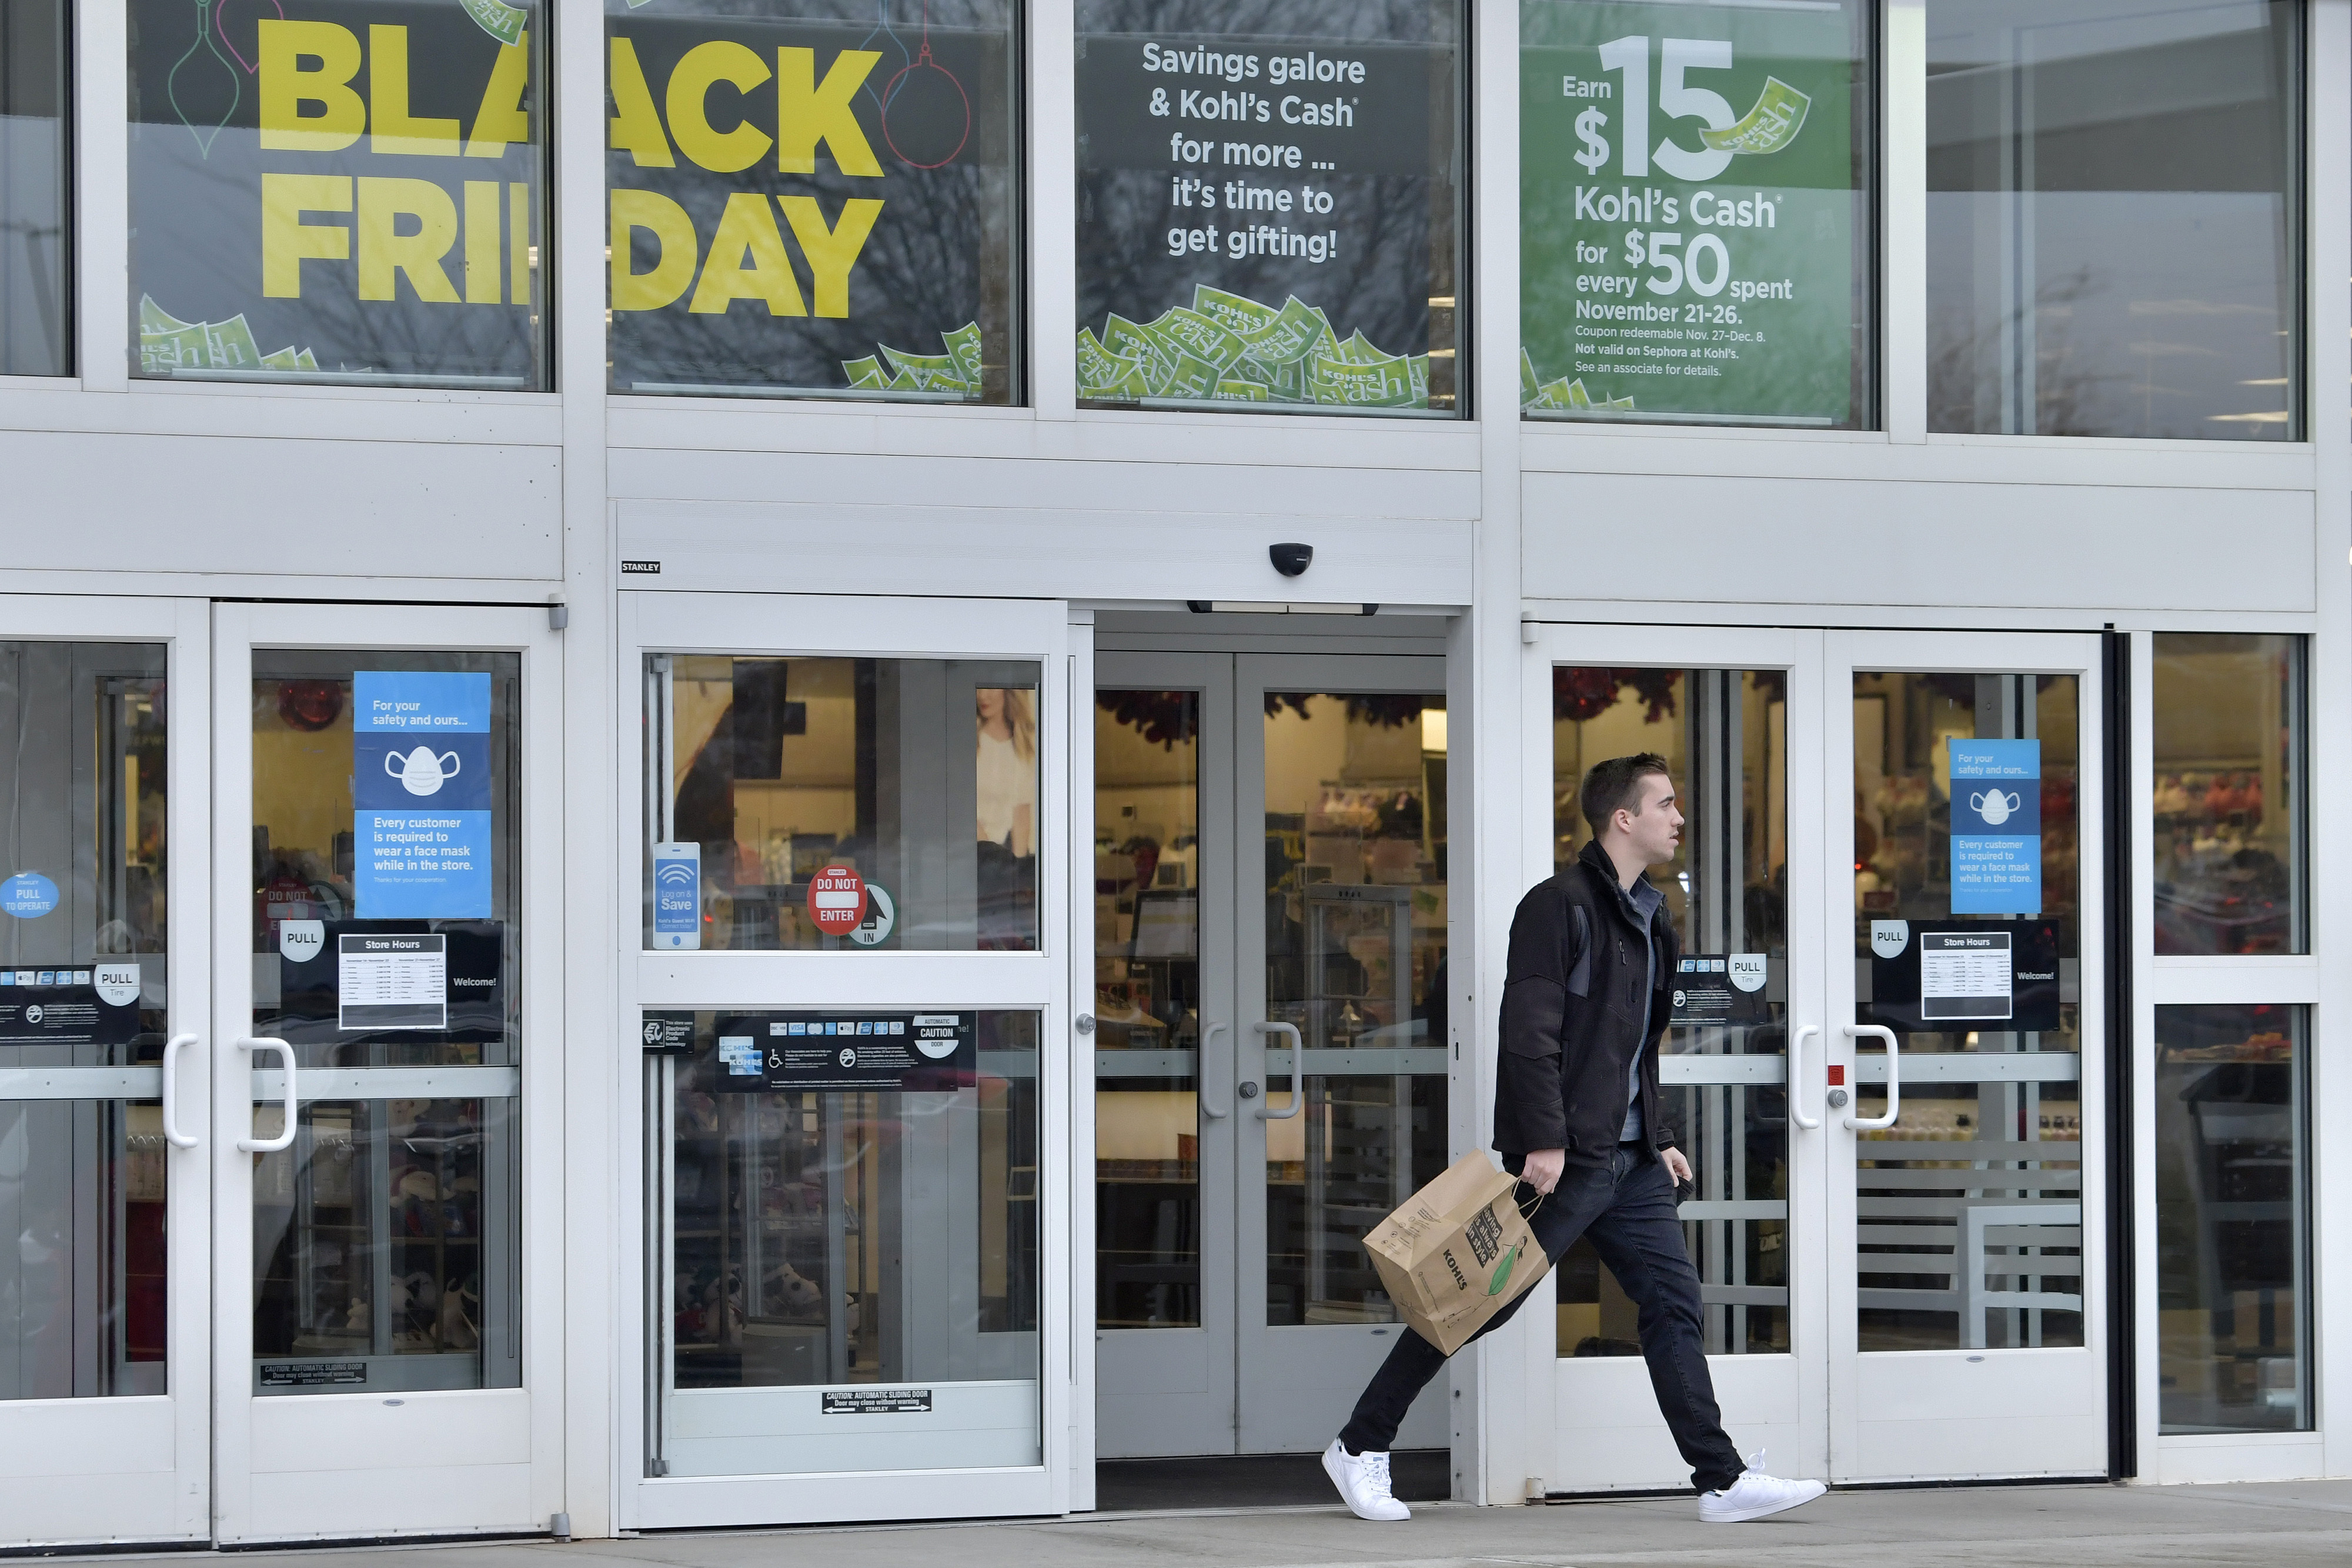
(1628,1212)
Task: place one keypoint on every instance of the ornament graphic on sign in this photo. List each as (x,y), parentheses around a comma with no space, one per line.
(926,86)
(836,900)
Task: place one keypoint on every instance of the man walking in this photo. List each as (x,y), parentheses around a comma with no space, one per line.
(1576,1119)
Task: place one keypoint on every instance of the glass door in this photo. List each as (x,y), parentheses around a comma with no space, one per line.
(1341,1046)
(1165,1045)
(387,1310)
(1966,1321)
(1890,840)
(1736,716)
(1271,1061)
(104,1087)
(851,988)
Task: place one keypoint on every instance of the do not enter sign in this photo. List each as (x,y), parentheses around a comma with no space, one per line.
(837,900)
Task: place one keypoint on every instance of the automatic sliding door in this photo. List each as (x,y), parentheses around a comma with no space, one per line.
(1163,1056)
(1343,1103)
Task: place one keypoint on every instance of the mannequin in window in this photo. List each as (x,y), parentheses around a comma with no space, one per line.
(1008,768)
(1006,718)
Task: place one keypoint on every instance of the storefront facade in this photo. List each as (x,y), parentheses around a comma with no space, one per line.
(471,1144)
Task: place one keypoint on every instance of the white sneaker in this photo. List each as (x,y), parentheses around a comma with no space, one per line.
(1755,1495)
(1364,1482)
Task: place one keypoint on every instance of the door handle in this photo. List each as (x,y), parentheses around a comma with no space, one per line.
(285,1139)
(179,1139)
(1202,1068)
(1297,1056)
(1796,1077)
(1893,1078)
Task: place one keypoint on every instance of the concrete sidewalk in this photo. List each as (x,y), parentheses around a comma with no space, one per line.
(2047,1527)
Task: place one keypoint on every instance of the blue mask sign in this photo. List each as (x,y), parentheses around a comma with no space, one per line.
(421,794)
(1996,826)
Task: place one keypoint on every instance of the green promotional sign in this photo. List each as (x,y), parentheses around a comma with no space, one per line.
(1690,207)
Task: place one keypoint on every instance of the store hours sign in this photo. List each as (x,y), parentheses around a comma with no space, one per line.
(1691,212)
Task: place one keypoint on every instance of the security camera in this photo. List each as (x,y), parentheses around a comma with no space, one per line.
(1291,561)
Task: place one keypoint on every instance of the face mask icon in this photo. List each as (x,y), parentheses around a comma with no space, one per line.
(1991,804)
(420,772)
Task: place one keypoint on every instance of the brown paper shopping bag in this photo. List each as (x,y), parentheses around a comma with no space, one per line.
(1457,1252)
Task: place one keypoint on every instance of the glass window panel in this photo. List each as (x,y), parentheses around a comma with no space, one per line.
(2233,1219)
(2228,793)
(883,1231)
(385,1250)
(1724,733)
(1147,1009)
(1355,959)
(1971,1206)
(777,770)
(345,191)
(849,229)
(84,975)
(2115,223)
(1695,185)
(35,257)
(387,952)
(1270,207)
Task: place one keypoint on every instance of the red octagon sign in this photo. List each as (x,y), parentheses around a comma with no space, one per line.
(836,900)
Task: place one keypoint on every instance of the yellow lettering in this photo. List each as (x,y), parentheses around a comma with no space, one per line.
(636,128)
(831,251)
(808,113)
(747,232)
(704,67)
(482,242)
(386,252)
(286,241)
(521,255)
(284,87)
(673,234)
(500,119)
(388,101)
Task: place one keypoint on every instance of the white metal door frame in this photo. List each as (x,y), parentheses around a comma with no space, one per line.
(1172,1391)
(137,1468)
(1966,1414)
(343,1466)
(783,625)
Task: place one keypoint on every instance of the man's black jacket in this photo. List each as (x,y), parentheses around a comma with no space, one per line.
(1573,1011)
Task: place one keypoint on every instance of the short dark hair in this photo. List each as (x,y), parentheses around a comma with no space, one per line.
(1615,785)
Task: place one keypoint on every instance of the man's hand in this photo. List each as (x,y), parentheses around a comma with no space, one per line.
(1676,1166)
(1543,1168)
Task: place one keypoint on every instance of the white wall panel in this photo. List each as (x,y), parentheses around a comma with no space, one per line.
(1758,541)
(221,505)
(1170,484)
(1130,543)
